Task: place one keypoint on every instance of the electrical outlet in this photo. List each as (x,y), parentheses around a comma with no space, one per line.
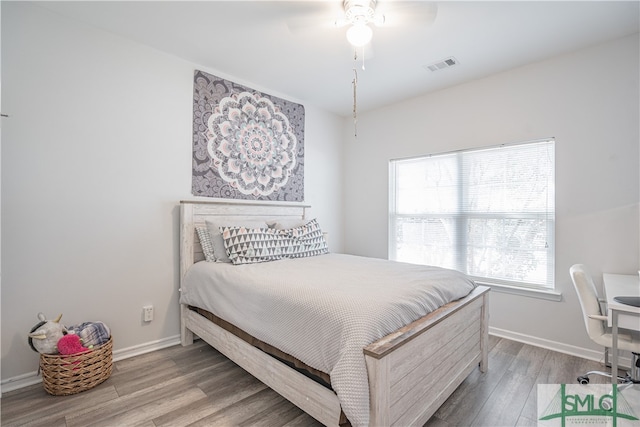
(147,312)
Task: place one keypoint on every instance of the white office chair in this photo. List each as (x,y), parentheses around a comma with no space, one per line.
(596,323)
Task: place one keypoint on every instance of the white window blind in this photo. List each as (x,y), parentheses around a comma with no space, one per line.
(487,212)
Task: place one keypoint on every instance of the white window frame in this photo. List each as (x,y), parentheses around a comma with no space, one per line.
(508,286)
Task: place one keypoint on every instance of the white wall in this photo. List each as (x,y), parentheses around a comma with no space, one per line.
(97,152)
(96,156)
(588,101)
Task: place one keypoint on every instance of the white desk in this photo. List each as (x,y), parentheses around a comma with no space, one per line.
(620,315)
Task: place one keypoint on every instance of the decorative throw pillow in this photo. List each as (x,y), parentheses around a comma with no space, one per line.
(219,251)
(251,245)
(205,242)
(311,239)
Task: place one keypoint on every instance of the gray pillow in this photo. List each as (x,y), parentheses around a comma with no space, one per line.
(206,244)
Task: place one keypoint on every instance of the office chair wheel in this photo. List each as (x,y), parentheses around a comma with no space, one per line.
(583,380)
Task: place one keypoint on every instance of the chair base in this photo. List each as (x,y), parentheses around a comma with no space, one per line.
(632,377)
(584,379)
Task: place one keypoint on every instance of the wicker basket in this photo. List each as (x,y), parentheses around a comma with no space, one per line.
(63,375)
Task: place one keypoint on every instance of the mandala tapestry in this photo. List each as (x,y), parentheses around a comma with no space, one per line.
(246,144)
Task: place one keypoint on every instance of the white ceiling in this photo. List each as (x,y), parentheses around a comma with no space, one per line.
(251,41)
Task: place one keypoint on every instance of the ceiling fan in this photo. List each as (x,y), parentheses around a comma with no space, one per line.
(359,14)
(362,15)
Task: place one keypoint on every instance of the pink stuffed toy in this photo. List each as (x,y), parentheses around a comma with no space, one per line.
(70,344)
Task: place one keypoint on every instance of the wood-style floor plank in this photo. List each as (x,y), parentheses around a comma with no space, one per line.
(34,405)
(303,420)
(464,404)
(557,368)
(198,386)
(238,413)
(186,415)
(503,407)
(529,361)
(133,403)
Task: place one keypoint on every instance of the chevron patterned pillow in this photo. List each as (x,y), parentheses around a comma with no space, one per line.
(251,245)
(311,238)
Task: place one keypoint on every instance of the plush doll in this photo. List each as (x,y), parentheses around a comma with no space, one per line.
(70,344)
(45,335)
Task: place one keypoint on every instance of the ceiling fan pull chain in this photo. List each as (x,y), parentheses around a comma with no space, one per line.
(355,105)
(362,58)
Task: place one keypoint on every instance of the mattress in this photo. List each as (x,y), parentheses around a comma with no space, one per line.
(324,310)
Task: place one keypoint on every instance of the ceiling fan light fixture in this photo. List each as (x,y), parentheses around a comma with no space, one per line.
(359,35)
(360,11)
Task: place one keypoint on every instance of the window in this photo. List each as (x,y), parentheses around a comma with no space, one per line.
(486,212)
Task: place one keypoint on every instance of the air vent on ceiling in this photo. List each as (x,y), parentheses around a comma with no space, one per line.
(446,63)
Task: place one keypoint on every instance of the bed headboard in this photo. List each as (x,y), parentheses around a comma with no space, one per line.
(195,213)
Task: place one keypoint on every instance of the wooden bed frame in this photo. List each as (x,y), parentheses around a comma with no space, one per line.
(412,371)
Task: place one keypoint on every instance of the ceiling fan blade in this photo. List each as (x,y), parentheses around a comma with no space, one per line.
(405,13)
(315,16)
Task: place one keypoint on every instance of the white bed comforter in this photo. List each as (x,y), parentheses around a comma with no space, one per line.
(324,310)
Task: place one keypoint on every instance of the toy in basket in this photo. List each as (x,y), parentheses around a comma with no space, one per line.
(80,360)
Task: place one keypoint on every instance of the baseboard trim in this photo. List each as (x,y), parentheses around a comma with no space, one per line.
(137,350)
(31,378)
(585,353)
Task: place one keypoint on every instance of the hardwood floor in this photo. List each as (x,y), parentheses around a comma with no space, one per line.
(197,386)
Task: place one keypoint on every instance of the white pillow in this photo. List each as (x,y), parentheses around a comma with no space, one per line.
(219,251)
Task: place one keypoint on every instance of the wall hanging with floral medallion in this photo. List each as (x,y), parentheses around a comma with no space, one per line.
(246,144)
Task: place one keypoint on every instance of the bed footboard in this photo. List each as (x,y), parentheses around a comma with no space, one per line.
(414,370)
(411,371)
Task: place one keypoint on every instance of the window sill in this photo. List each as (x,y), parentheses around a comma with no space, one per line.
(526,292)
